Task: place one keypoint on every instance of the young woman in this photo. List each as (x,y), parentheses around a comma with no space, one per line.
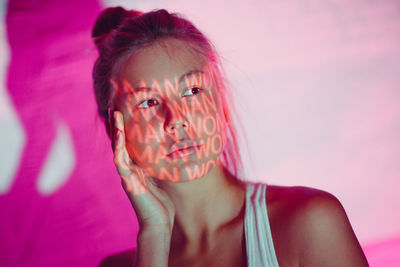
(168,111)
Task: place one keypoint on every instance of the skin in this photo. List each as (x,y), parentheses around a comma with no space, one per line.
(203,204)
(170,111)
(202,216)
(310,228)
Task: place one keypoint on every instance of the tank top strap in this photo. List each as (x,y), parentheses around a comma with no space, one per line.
(259,245)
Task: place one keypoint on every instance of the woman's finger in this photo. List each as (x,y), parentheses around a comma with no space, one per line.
(122,156)
(119,151)
(132,175)
(111,124)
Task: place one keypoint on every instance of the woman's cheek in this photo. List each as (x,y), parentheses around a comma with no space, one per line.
(209,127)
(138,140)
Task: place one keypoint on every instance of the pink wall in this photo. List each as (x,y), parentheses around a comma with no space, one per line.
(317,86)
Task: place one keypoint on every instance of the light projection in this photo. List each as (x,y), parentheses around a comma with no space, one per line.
(318,86)
(167,151)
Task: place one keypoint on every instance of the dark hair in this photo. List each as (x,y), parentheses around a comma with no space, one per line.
(118,33)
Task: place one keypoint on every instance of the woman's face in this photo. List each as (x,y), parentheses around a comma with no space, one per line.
(172,111)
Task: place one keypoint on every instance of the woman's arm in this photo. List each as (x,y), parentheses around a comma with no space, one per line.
(154,209)
(153,247)
(323,233)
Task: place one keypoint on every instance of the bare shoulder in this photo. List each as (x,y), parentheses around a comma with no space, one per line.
(303,202)
(313,225)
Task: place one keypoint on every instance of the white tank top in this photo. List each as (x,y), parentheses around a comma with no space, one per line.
(259,245)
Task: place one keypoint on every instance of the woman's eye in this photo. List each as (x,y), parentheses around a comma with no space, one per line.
(192,91)
(148,103)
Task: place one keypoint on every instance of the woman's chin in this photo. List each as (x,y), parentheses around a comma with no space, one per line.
(180,174)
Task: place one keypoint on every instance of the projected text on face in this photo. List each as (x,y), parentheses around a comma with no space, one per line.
(173,128)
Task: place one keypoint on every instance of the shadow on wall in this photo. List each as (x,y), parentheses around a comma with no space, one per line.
(120,259)
(44,222)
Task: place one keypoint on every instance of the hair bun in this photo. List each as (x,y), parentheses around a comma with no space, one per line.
(109,19)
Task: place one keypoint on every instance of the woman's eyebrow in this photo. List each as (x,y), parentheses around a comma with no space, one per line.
(139,88)
(189,73)
(142,89)
(135,87)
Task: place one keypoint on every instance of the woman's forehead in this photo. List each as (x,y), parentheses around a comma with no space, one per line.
(169,60)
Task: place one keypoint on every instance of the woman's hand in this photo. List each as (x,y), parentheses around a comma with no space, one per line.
(152,205)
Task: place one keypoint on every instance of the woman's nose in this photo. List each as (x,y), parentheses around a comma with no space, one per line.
(176,120)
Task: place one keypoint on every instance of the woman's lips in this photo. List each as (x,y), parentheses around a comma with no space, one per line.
(184,152)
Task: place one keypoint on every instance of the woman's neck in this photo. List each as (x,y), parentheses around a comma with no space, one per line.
(205,206)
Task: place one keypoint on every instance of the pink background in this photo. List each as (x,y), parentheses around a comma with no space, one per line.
(317,84)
